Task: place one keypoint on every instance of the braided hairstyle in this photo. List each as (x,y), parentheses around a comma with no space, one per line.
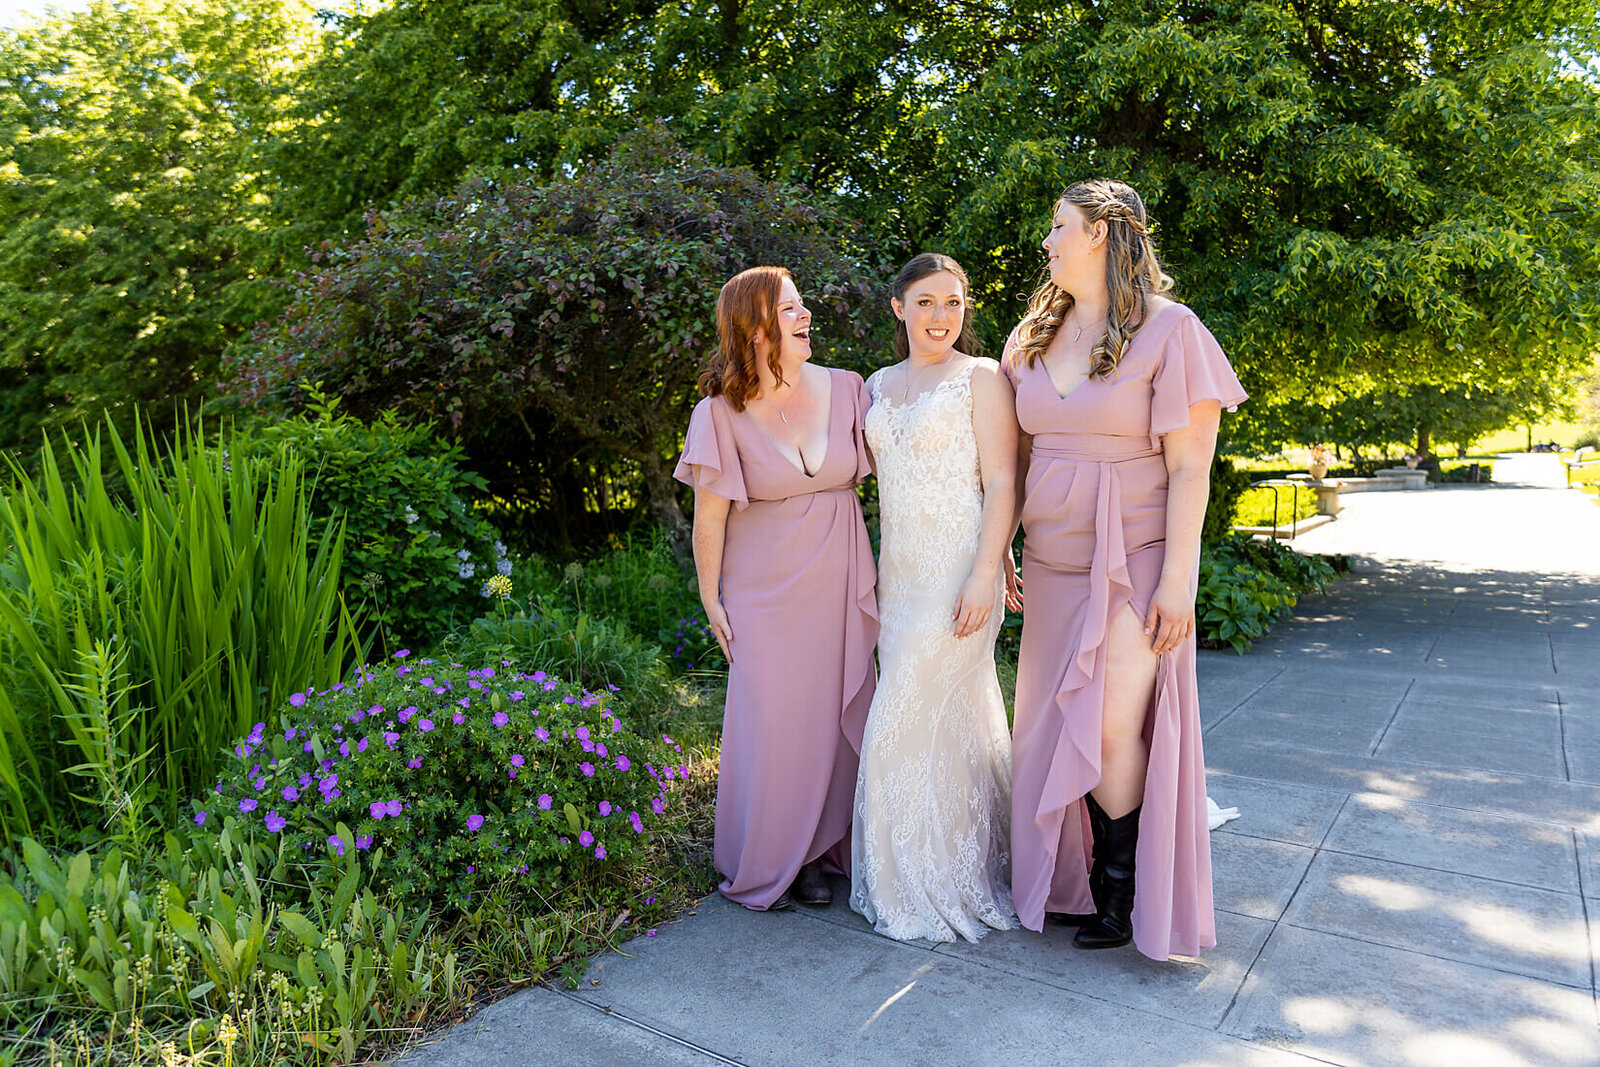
(1133,272)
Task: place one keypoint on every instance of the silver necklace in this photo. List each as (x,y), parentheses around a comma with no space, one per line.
(1073,314)
(906,392)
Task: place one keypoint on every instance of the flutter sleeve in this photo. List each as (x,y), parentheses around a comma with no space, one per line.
(710,459)
(858,432)
(1192,369)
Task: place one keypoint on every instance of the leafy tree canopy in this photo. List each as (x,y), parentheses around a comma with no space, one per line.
(586,303)
(132,199)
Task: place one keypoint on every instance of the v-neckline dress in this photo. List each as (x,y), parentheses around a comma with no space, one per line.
(1094,514)
(798,586)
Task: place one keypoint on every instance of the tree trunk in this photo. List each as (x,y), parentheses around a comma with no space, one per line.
(663,494)
(1424,433)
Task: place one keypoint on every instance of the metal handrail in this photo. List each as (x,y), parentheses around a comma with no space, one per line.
(1294,501)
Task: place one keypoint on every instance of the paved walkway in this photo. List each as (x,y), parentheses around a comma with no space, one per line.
(1415,878)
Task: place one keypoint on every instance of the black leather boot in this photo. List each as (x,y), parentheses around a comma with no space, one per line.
(811,886)
(1115,850)
(1097,830)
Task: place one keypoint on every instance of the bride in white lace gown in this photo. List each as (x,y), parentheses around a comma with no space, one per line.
(930,844)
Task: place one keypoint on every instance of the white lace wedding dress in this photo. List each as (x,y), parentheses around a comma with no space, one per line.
(930,846)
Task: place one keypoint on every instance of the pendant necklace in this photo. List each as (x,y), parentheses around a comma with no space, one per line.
(1079,333)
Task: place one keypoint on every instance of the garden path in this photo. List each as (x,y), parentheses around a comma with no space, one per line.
(1415,878)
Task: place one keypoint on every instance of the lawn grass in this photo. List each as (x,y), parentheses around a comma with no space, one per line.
(1515,439)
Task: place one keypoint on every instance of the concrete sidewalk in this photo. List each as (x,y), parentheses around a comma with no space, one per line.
(1415,878)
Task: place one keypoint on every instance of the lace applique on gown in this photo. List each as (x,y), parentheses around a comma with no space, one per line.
(930,853)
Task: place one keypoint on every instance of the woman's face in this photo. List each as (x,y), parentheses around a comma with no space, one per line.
(933,310)
(1072,248)
(794,327)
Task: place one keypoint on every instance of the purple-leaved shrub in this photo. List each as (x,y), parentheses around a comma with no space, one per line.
(449,783)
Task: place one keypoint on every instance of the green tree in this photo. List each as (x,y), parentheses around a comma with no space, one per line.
(578,311)
(132,200)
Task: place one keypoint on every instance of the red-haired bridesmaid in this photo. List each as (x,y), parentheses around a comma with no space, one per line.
(774,452)
(1119,392)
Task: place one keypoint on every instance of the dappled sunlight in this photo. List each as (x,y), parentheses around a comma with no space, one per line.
(1384,894)
(1530,935)
(887,1004)
(1435,1049)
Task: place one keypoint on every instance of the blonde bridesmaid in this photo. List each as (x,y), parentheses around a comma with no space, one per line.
(1119,391)
(774,453)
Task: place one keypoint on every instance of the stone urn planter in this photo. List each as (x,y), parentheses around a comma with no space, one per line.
(1413,461)
(1318,471)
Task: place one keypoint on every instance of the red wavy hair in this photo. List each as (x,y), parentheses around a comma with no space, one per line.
(747,304)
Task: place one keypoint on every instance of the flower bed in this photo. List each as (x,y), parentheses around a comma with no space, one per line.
(450,782)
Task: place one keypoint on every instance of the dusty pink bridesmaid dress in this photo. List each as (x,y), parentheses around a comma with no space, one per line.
(797,584)
(1095,519)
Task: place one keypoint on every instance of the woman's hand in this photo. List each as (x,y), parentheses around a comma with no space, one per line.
(974,604)
(720,629)
(1171,615)
(1013,585)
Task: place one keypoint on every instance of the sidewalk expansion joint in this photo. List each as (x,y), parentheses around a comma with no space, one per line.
(1561,720)
(1377,742)
(1247,698)
(647,1028)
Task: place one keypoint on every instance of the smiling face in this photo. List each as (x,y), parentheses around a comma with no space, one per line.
(933,310)
(794,328)
(1075,250)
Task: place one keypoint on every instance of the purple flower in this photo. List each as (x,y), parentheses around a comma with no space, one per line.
(474,821)
(582,733)
(247,805)
(650,933)
(414,763)
(363,841)
(667,773)
(377,709)
(402,654)
(335,844)
(344,748)
(542,734)
(473,683)
(465,702)
(545,800)
(361,746)
(569,700)
(290,793)
(391,738)
(501,718)
(305,779)
(616,725)
(536,676)
(586,839)
(425,725)
(613,688)
(297,700)
(667,739)
(517,694)
(587,769)
(517,760)
(588,746)
(376,809)
(393,807)
(638,823)
(623,763)
(428,681)
(199,818)
(275,822)
(290,733)
(657,806)
(306,747)
(260,784)
(605,807)
(600,750)
(599,852)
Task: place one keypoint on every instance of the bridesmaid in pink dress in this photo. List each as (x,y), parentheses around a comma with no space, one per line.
(1119,393)
(774,452)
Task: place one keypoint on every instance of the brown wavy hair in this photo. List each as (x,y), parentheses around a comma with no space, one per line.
(748,303)
(1133,273)
(917,268)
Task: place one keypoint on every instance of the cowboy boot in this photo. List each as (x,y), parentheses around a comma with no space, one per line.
(1113,921)
(1097,830)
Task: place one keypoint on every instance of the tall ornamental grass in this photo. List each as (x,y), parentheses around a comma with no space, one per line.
(156,599)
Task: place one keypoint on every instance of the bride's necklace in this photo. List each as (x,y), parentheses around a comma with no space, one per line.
(906,392)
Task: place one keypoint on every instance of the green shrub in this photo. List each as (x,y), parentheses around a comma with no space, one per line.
(1228,482)
(1247,585)
(415,551)
(155,600)
(639,585)
(450,783)
(1255,506)
(1480,471)
(599,653)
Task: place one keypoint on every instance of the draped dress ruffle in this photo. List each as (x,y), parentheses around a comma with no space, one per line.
(798,584)
(1094,516)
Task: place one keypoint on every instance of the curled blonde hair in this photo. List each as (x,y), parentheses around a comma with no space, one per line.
(1133,272)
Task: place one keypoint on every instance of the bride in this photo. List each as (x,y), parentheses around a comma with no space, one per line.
(930,847)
